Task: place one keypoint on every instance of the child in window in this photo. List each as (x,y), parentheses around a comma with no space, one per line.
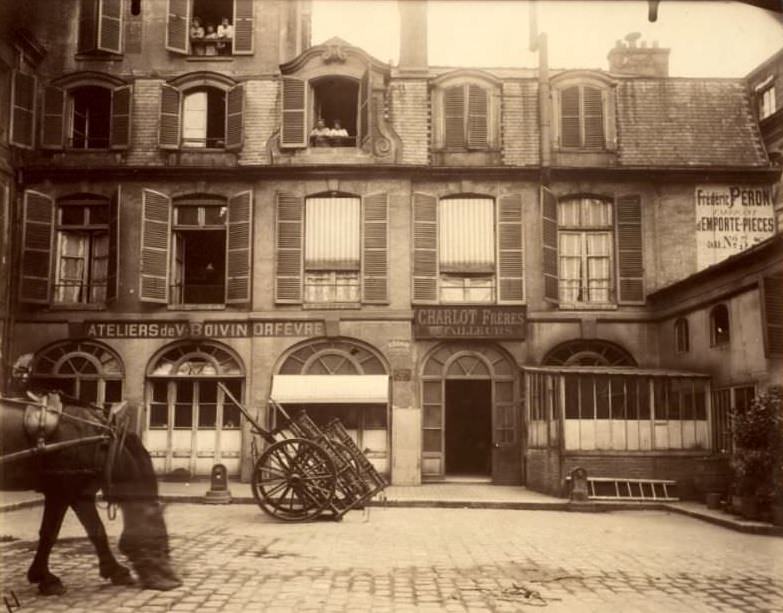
(320,134)
(338,134)
(211,35)
(196,36)
(225,32)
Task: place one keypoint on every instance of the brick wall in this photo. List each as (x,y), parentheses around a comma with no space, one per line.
(261,119)
(542,471)
(144,149)
(410,117)
(520,134)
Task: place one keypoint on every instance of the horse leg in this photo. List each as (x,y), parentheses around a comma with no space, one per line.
(54,512)
(84,507)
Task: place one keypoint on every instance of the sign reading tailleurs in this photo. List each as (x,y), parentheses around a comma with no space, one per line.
(492,322)
(189,329)
(730,219)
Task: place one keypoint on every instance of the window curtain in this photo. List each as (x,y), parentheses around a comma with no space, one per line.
(570,249)
(99,268)
(332,227)
(71,267)
(598,266)
(194,120)
(467,235)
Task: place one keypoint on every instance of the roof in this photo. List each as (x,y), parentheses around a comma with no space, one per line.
(616,370)
(687,122)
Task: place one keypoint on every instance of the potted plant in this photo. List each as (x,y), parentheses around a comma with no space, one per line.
(757,440)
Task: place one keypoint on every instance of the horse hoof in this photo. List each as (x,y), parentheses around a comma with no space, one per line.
(121,576)
(161,583)
(51,588)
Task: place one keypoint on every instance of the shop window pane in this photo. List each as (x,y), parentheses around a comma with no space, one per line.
(618,398)
(687,400)
(375,417)
(602,397)
(586,398)
(572,397)
(431,440)
(674,399)
(159,415)
(661,403)
(231,412)
(88,390)
(700,400)
(183,409)
(432,391)
(644,398)
(432,416)
(632,396)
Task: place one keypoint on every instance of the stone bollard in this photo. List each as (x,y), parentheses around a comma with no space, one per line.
(218,480)
(579,485)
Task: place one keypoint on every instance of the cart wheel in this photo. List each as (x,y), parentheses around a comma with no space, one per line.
(294,480)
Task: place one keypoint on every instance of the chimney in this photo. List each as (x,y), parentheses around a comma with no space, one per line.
(629,59)
(413,34)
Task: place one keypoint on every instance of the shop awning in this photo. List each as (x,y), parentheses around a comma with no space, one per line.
(334,389)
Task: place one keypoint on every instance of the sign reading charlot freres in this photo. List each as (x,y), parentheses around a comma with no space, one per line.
(181,328)
(730,219)
(491,322)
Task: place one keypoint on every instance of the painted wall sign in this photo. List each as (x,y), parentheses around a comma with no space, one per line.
(492,322)
(730,219)
(185,329)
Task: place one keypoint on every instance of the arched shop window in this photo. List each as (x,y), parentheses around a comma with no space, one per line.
(588,353)
(85,370)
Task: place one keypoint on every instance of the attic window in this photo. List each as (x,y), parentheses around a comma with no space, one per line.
(335,102)
(765,95)
(581,120)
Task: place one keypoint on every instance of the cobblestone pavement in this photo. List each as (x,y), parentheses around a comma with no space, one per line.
(233,558)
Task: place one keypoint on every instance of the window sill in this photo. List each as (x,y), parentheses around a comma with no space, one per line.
(722,346)
(209,58)
(197,307)
(313,306)
(77,307)
(99,56)
(587,307)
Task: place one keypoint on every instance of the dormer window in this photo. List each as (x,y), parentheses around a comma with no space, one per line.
(583,115)
(466,114)
(765,96)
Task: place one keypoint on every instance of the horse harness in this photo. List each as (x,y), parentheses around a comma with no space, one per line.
(41,420)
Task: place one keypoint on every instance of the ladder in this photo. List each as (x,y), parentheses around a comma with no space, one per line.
(608,488)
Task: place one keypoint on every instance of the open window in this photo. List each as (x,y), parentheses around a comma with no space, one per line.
(720,333)
(100,26)
(86,117)
(210,28)
(201,117)
(196,249)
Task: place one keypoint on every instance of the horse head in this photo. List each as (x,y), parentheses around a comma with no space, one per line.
(144,537)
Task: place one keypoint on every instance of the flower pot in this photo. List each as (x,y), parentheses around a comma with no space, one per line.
(713,500)
(749,507)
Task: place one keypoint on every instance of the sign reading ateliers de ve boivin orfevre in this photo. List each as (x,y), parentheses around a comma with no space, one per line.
(469,322)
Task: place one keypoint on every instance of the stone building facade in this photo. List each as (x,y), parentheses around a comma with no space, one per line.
(466,274)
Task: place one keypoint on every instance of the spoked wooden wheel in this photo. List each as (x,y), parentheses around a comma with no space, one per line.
(294,480)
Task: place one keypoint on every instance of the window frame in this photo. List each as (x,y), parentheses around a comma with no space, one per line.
(582,79)
(178,27)
(466,79)
(682,340)
(766,102)
(719,339)
(99,21)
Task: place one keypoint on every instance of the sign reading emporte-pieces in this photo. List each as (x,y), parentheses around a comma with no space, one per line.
(469,322)
(181,328)
(730,219)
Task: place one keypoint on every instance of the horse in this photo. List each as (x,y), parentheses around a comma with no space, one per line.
(68,451)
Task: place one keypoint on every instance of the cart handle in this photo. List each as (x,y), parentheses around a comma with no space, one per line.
(267,435)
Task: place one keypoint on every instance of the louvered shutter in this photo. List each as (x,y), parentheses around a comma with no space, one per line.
(113,272)
(178,26)
(235,102)
(121,117)
(37,231)
(478,117)
(549,242)
(88,26)
(23,87)
(53,123)
(155,242)
(238,247)
(293,132)
(375,249)
(425,249)
(569,117)
(773,315)
(110,26)
(290,238)
(168,136)
(454,116)
(593,117)
(510,250)
(365,100)
(243,27)
(630,269)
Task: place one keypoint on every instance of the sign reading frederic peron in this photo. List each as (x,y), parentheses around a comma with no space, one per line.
(730,219)
(491,322)
(184,329)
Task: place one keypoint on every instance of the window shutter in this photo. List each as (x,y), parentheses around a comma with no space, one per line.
(88,26)
(593,107)
(290,235)
(549,242)
(243,27)
(375,249)
(365,100)
(478,117)
(113,273)
(110,26)
(630,270)
(121,117)
(178,26)
(569,117)
(168,137)
(53,124)
(37,231)
(155,241)
(22,129)
(454,116)
(293,132)
(425,249)
(773,315)
(235,102)
(238,247)
(510,250)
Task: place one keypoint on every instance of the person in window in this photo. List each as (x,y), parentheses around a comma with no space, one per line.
(196,36)
(210,37)
(338,134)
(320,136)
(225,32)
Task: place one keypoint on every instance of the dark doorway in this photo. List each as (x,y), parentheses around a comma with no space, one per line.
(468,427)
